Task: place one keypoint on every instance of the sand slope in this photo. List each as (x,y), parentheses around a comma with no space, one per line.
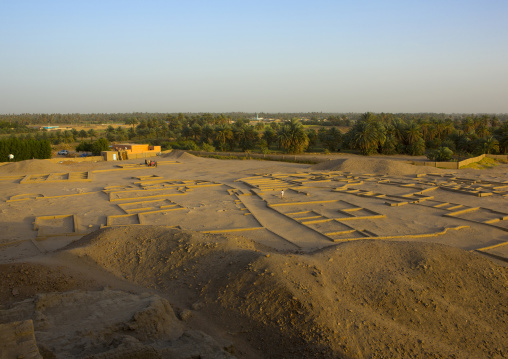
(360,299)
(30,167)
(363,299)
(181,155)
(48,166)
(373,166)
(110,324)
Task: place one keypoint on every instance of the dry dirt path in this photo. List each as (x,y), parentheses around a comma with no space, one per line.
(293,232)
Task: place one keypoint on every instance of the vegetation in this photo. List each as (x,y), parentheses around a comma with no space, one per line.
(483,164)
(100,145)
(24,149)
(292,137)
(84,147)
(442,154)
(13,127)
(437,135)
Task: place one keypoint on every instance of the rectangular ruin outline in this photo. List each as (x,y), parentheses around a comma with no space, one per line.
(28,179)
(490,222)
(326,219)
(144,197)
(412,236)
(28,195)
(42,235)
(163,207)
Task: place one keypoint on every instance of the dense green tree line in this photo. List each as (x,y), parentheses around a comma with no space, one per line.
(13,127)
(368,133)
(24,149)
(96,147)
(105,118)
(312,118)
(472,135)
(54,137)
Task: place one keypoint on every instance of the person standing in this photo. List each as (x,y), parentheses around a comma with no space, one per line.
(282,194)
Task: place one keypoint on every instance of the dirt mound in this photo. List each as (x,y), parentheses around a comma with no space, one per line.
(372,166)
(359,299)
(110,324)
(32,167)
(47,166)
(180,155)
(21,281)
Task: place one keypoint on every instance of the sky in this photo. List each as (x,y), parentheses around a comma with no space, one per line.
(112,56)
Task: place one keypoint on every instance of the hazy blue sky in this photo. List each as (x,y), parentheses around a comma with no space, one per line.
(272,56)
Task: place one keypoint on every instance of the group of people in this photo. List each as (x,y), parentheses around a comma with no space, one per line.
(150,163)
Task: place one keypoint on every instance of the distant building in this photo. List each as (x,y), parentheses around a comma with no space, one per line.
(135,148)
(128,151)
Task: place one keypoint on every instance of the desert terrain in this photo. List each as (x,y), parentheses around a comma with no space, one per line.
(203,258)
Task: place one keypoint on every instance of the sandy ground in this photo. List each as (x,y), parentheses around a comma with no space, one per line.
(360,258)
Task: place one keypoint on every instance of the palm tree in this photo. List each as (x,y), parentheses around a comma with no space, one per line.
(448,127)
(413,133)
(425,128)
(68,137)
(331,139)
(503,144)
(248,138)
(143,132)
(483,131)
(120,133)
(369,134)
(364,138)
(92,133)
(110,133)
(223,120)
(160,128)
(207,133)
(196,131)
(187,132)
(312,135)
(398,129)
(439,128)
(222,134)
(82,134)
(467,124)
(494,121)
(484,120)
(463,144)
(132,121)
(260,126)
(292,137)
(131,133)
(490,145)
(269,136)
